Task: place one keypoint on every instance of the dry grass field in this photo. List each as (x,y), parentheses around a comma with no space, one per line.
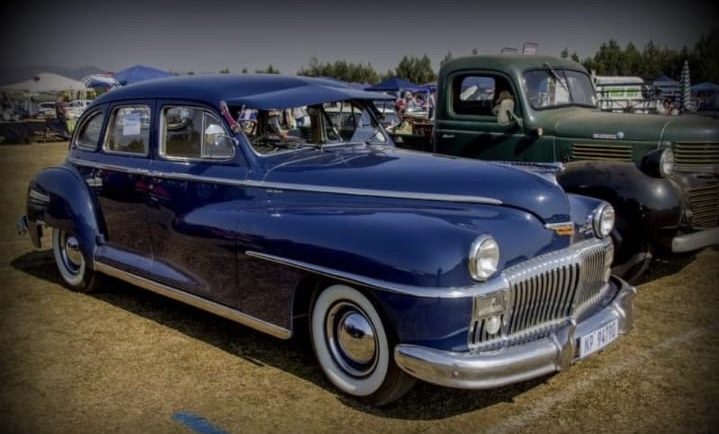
(128,361)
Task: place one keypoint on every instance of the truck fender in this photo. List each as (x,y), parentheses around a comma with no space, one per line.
(60,198)
(649,206)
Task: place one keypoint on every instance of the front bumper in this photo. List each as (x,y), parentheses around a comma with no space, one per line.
(696,240)
(486,370)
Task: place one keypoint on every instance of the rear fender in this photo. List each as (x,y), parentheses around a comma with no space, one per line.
(60,198)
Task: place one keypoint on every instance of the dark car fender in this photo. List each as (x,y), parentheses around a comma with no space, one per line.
(647,208)
(53,198)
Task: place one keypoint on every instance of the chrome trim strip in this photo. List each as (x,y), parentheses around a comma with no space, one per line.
(496,284)
(275,186)
(491,369)
(193,300)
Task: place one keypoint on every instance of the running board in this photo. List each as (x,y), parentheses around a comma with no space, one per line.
(193,300)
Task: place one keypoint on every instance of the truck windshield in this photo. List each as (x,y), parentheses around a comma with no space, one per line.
(553,87)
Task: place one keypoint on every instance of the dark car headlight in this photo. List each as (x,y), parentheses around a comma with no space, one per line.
(603,220)
(658,163)
(483,258)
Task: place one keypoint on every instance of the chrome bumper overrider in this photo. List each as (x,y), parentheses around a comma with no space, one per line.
(696,240)
(490,369)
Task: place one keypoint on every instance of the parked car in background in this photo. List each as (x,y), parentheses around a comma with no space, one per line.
(46,109)
(402,265)
(76,107)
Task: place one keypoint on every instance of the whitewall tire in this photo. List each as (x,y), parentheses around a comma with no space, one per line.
(354,348)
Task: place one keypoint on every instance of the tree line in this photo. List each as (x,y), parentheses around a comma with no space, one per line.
(610,59)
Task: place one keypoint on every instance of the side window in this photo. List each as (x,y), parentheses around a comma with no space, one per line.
(89,132)
(193,133)
(129,130)
(477,94)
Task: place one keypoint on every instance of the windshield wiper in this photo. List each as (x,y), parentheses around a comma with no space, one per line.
(556,76)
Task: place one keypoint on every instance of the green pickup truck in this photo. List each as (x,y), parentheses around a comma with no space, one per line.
(661,173)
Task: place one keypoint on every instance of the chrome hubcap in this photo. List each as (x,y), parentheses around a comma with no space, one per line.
(73,254)
(352,340)
(356,337)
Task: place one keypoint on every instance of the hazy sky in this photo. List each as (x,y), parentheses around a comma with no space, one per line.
(209,35)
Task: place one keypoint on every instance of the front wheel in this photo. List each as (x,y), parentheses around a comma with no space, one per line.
(353,347)
(71,263)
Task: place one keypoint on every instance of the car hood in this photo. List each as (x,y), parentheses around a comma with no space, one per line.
(592,124)
(385,171)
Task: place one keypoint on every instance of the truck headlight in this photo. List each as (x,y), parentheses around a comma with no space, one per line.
(658,163)
(483,258)
(666,162)
(603,221)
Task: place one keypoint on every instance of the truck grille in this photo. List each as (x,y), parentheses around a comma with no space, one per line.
(702,157)
(602,152)
(696,157)
(704,202)
(547,290)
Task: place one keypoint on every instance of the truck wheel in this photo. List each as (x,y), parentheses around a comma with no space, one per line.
(353,347)
(70,262)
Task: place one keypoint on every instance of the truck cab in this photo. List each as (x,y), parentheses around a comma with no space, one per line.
(661,173)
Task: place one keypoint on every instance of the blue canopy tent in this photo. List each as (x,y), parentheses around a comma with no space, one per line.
(705,87)
(394,84)
(137,73)
(667,87)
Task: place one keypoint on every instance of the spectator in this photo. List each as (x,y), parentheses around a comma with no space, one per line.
(61,115)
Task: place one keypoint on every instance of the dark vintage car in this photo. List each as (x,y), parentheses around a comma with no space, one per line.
(404,265)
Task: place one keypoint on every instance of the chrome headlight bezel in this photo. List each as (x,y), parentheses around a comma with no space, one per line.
(483,258)
(603,220)
(666,163)
(658,163)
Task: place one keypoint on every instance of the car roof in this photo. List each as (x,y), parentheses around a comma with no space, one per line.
(261,91)
(511,62)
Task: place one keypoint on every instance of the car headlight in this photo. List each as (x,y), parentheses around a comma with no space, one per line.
(658,163)
(483,258)
(666,162)
(603,221)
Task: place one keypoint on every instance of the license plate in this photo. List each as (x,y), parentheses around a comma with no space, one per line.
(598,338)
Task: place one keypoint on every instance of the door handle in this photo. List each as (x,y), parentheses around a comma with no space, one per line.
(448,136)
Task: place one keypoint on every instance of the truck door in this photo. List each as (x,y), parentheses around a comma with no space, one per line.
(468,123)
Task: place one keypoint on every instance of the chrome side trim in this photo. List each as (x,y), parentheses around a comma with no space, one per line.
(193,300)
(490,369)
(309,188)
(496,284)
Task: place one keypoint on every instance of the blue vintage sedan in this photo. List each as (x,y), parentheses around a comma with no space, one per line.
(405,265)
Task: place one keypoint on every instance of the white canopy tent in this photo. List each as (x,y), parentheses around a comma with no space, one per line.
(47,82)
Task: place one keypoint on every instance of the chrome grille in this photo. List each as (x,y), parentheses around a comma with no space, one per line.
(705,205)
(547,290)
(696,157)
(604,152)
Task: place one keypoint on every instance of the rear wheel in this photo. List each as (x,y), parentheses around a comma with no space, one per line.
(354,348)
(71,263)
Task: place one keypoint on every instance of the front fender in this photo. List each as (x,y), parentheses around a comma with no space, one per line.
(60,198)
(646,207)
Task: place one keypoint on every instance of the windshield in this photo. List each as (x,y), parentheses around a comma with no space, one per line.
(553,87)
(316,126)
